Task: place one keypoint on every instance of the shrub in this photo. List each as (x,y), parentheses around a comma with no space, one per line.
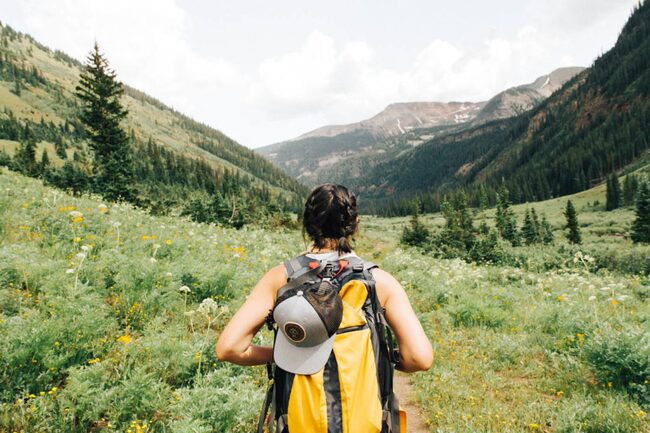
(621,359)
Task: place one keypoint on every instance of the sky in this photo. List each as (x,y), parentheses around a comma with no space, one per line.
(266,71)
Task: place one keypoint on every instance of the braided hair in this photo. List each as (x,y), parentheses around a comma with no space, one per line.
(331,213)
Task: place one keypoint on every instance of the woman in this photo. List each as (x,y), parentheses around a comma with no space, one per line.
(330,219)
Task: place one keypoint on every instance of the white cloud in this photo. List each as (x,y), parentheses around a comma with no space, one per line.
(346,83)
(145,42)
(322,79)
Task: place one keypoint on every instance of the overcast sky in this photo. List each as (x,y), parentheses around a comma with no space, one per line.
(263,71)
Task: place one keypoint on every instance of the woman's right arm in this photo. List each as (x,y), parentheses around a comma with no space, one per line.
(234,343)
(415,349)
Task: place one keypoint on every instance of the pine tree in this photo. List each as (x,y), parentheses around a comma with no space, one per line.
(101,115)
(630,185)
(44,166)
(613,192)
(539,234)
(641,225)
(572,224)
(547,231)
(417,234)
(25,158)
(528,230)
(506,222)
(59,147)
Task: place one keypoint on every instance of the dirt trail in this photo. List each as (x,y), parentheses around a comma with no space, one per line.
(402,387)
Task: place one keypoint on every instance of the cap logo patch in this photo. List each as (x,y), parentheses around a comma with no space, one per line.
(295,332)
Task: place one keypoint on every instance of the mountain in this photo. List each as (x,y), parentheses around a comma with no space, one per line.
(595,124)
(342,152)
(176,156)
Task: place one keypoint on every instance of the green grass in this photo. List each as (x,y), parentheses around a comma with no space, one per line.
(95,335)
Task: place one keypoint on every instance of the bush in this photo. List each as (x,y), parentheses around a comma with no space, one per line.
(621,360)
(603,414)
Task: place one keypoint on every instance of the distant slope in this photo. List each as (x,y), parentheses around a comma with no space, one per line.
(48,100)
(595,124)
(343,152)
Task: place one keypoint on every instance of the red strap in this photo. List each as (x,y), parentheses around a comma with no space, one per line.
(342,265)
(313,265)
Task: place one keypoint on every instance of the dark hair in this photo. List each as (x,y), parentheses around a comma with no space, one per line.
(331,212)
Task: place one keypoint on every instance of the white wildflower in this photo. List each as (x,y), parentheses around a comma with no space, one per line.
(85,248)
(208,307)
(592,298)
(76,214)
(184,289)
(80,256)
(169,275)
(69,271)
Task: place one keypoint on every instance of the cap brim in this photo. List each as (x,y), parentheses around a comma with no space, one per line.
(301,360)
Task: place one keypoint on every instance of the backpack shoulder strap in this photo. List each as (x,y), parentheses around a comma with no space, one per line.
(297,266)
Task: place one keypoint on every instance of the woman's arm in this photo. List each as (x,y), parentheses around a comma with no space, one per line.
(415,349)
(234,344)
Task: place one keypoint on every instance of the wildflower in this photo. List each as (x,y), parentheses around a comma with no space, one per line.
(152,259)
(208,306)
(561,298)
(614,302)
(168,241)
(85,248)
(56,344)
(145,237)
(69,271)
(533,426)
(76,239)
(77,220)
(94,361)
(125,339)
(184,289)
(116,224)
(80,256)
(592,298)
(102,208)
(169,275)
(25,205)
(76,214)
(156,246)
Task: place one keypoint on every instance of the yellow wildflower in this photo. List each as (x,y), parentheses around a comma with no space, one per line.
(125,339)
(168,241)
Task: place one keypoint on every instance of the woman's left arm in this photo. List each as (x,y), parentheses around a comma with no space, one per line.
(234,344)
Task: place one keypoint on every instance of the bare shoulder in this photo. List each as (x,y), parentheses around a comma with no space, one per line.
(386,284)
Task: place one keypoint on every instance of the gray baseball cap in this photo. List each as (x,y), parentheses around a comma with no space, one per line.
(307,317)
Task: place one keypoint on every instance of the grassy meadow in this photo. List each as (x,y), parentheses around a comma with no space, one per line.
(95,335)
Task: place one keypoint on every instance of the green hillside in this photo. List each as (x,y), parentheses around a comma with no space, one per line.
(597,123)
(174,152)
(96,335)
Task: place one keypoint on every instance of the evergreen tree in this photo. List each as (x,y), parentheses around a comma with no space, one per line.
(101,115)
(547,231)
(528,230)
(630,186)
(506,222)
(613,192)
(539,234)
(417,234)
(25,158)
(44,166)
(641,225)
(59,147)
(572,224)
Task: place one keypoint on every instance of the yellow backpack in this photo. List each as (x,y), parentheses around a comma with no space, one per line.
(353,392)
